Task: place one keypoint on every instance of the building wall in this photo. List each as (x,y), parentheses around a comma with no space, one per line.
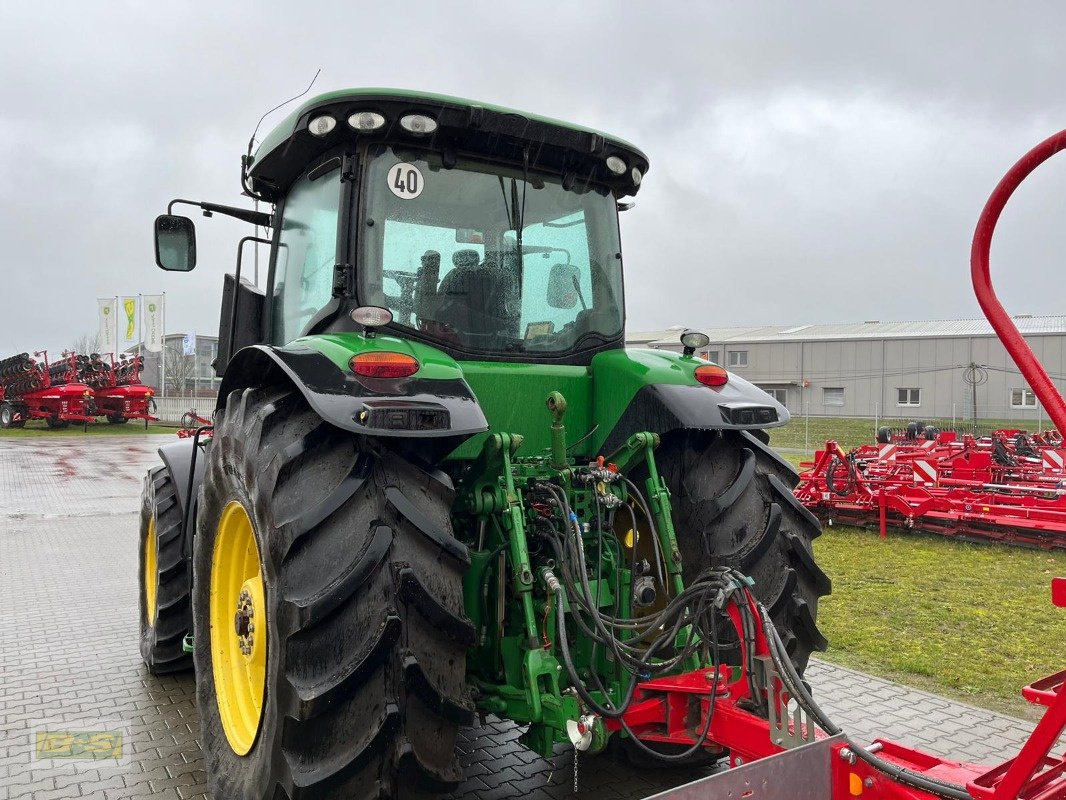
(200,379)
(870,371)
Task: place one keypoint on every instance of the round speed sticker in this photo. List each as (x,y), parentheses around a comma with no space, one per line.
(405,181)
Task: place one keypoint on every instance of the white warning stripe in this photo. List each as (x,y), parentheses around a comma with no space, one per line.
(924,472)
(886,452)
(1052,459)
(929,444)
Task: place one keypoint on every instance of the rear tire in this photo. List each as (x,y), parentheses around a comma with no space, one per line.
(364,686)
(884,435)
(116,419)
(56,423)
(733,505)
(166,614)
(7,416)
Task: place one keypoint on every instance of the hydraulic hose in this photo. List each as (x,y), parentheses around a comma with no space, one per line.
(794,685)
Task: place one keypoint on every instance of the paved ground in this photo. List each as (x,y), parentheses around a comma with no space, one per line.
(69,660)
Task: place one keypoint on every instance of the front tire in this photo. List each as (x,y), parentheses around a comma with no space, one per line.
(165,580)
(363,685)
(116,419)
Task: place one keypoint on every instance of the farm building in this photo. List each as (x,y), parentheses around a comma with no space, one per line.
(887,370)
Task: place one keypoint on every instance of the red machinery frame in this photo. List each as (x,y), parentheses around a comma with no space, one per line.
(674,710)
(120,402)
(946,486)
(61,403)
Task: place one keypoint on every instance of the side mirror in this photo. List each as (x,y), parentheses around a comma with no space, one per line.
(563,286)
(175,243)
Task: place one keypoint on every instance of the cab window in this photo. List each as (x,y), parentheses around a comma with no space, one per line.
(305,256)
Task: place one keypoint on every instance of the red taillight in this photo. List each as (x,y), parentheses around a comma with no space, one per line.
(712,375)
(383,365)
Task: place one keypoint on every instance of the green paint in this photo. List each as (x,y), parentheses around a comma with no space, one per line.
(340,347)
(512,395)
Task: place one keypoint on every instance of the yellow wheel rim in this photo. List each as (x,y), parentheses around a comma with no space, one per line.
(151,576)
(238,628)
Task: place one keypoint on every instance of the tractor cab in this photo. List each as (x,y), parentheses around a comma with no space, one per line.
(487,233)
(475,249)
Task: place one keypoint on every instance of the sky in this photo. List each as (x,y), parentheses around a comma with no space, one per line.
(810,162)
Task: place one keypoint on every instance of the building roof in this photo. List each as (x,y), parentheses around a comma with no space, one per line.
(1028,325)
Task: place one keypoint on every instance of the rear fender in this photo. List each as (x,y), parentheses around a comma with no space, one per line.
(434,408)
(664,396)
(178,461)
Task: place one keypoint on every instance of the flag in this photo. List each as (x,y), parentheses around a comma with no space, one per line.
(152,307)
(107,333)
(188,344)
(129,305)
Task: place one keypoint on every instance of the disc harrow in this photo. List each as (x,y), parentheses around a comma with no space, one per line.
(1008,487)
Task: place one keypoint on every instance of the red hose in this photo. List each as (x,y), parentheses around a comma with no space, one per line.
(1003,325)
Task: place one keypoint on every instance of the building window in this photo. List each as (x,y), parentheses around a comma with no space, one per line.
(780,395)
(738,358)
(833,396)
(711,355)
(908,397)
(1022,398)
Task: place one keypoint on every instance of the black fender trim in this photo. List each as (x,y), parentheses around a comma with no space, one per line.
(405,408)
(661,408)
(178,461)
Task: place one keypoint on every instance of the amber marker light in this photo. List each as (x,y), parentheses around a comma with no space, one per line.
(712,375)
(383,365)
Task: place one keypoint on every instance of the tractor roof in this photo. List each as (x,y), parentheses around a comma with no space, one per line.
(465,125)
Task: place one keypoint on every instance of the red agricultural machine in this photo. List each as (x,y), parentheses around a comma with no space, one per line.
(33,388)
(120,395)
(789,748)
(1009,486)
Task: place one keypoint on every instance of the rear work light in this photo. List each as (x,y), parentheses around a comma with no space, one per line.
(711,375)
(383,365)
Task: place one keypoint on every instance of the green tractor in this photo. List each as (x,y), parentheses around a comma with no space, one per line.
(437,484)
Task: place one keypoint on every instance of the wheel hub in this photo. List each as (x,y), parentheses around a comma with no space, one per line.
(242,621)
(238,638)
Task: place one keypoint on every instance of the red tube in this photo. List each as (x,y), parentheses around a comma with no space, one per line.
(1004,326)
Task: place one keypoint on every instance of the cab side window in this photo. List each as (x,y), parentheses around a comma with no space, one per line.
(307,250)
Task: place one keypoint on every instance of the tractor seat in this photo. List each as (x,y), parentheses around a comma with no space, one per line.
(472,300)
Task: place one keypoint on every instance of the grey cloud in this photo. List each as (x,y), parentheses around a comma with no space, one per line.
(810,161)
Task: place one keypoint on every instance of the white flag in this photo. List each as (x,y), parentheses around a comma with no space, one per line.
(188,344)
(152,308)
(107,334)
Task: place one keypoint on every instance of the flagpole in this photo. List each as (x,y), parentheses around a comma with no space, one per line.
(163,349)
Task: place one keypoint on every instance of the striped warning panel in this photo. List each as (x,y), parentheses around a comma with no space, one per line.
(1052,460)
(886,452)
(924,472)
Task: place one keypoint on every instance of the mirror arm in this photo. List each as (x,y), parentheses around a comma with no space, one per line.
(260,218)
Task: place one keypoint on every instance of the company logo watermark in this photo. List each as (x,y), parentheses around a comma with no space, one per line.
(82,745)
(95,743)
